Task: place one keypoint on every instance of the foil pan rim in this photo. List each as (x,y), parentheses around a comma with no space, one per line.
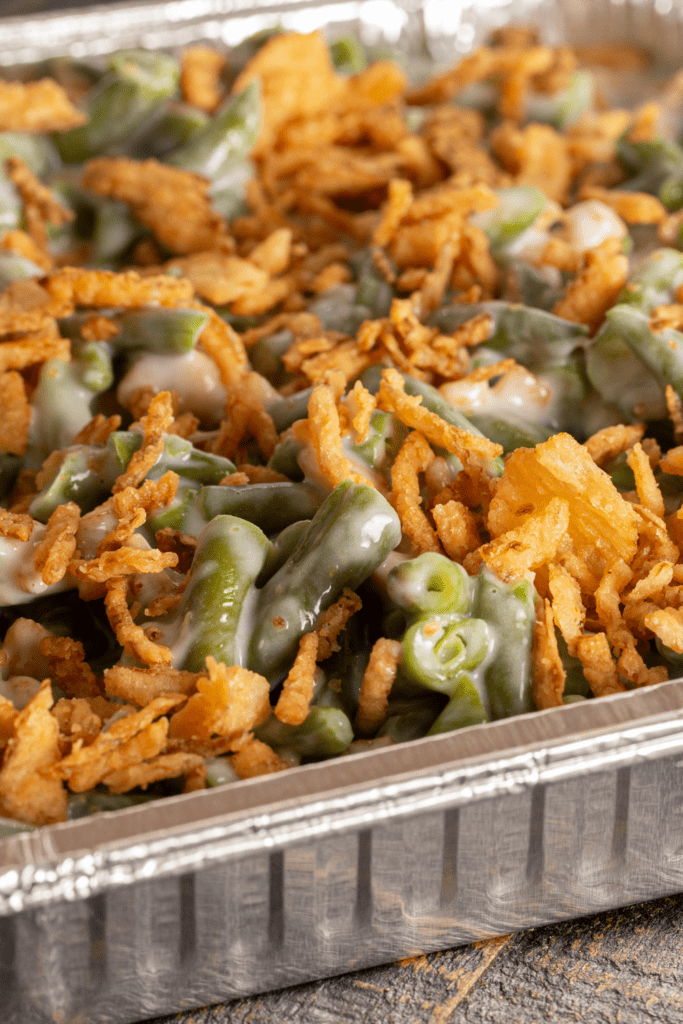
(76,860)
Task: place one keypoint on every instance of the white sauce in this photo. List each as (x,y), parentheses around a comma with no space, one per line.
(517,393)
(590,223)
(193,375)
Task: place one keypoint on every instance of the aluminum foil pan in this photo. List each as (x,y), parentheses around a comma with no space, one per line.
(336,866)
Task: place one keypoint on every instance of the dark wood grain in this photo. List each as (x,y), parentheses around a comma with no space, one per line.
(625,966)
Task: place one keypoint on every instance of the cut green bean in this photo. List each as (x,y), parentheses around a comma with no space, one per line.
(137,81)
(229,556)
(325,733)
(225,141)
(464,708)
(509,612)
(351,534)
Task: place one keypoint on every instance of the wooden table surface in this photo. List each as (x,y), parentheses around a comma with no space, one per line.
(624,966)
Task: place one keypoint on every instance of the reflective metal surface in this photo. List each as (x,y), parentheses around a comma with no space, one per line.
(357,861)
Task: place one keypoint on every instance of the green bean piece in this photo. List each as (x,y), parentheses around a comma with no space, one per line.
(37,151)
(621,377)
(95,366)
(533,286)
(10,204)
(271,507)
(285,459)
(436,650)
(673,657)
(348,55)
(660,351)
(165,331)
(229,556)
(137,81)
(433,401)
(430,584)
(325,733)
(372,291)
(566,106)
(17,268)
(337,310)
(350,535)
(281,548)
(575,682)
(464,708)
(519,207)
(62,403)
(219,772)
(115,230)
(653,164)
(509,613)
(225,141)
(174,126)
(288,410)
(191,464)
(266,358)
(573,698)
(409,724)
(654,282)
(510,431)
(533,337)
(75,481)
(386,434)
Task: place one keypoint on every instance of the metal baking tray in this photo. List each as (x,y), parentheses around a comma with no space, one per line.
(337,866)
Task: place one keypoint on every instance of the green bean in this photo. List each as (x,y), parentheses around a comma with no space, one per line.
(165,331)
(10,204)
(16,268)
(519,207)
(325,733)
(266,358)
(655,282)
(565,106)
(622,378)
(219,772)
(115,230)
(510,431)
(351,534)
(348,55)
(372,291)
(573,698)
(409,724)
(282,546)
(433,401)
(537,339)
(337,310)
(37,151)
(286,411)
(9,471)
(173,127)
(430,584)
(138,80)
(533,286)
(654,164)
(229,556)
(225,141)
(270,506)
(62,403)
(436,650)
(575,683)
(660,351)
(509,612)
(386,434)
(285,459)
(464,708)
